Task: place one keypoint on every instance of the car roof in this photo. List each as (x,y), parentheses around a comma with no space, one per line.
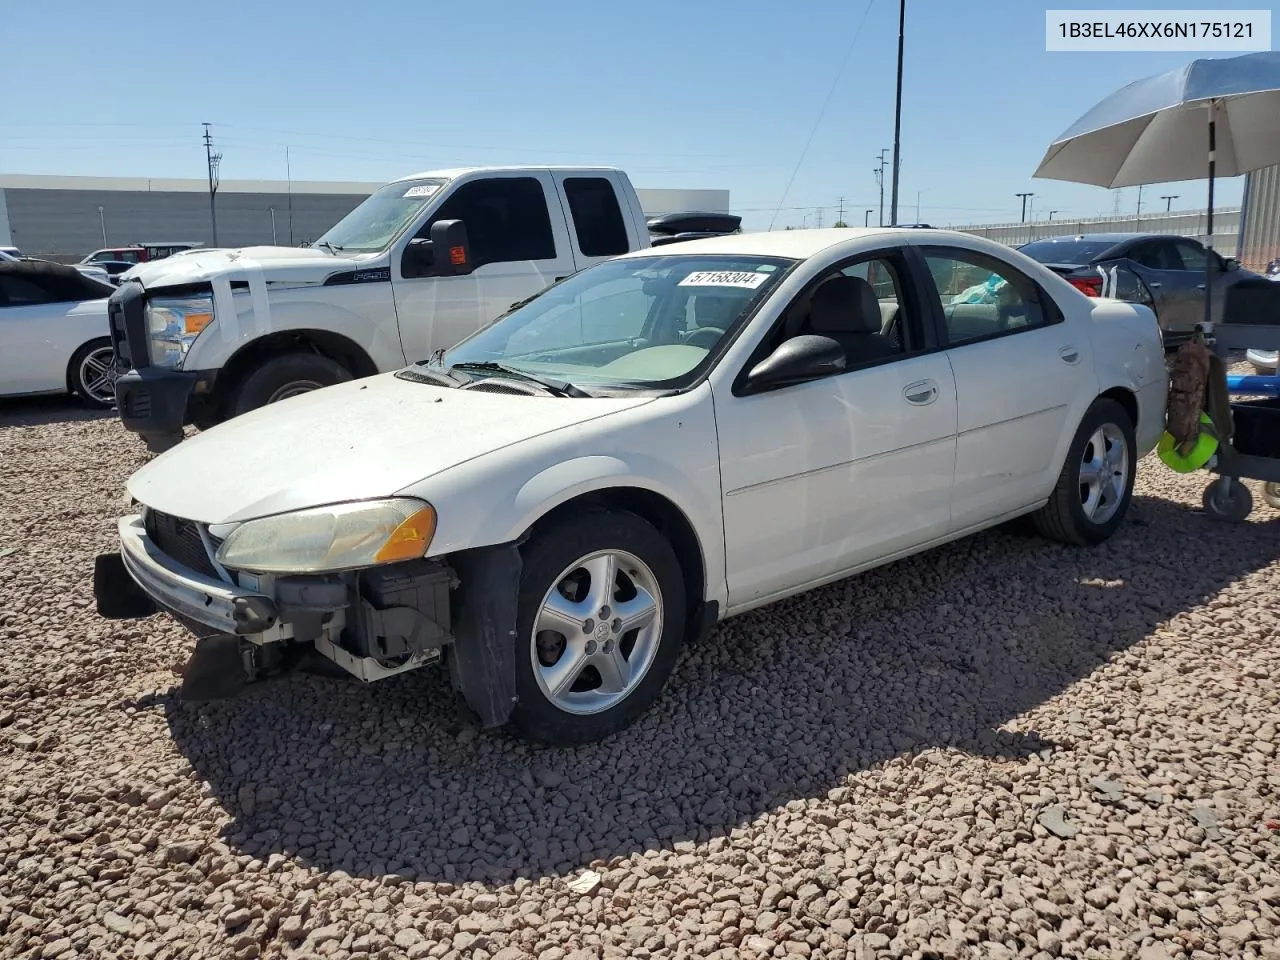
(803,244)
(452,173)
(1104,237)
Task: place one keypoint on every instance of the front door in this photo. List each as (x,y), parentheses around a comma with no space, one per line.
(1020,369)
(823,477)
(519,240)
(1177,291)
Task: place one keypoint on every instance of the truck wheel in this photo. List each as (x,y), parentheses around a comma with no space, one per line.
(284,376)
(93,374)
(600,622)
(1096,484)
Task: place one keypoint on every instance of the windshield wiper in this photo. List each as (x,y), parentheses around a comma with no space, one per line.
(334,248)
(560,388)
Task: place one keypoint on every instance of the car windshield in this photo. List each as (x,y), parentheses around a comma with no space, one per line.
(634,322)
(385,214)
(1070,251)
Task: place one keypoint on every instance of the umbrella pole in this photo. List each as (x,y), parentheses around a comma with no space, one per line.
(1208,260)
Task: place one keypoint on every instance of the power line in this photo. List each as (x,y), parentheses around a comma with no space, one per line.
(822,112)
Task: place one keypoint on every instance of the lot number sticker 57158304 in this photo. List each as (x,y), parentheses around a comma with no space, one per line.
(724,278)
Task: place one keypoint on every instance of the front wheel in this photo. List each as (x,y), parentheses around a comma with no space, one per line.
(285,376)
(600,622)
(1095,487)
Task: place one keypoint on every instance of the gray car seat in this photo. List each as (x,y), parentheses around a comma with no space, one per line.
(847,310)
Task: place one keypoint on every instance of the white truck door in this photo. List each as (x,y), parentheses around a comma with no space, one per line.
(599,217)
(519,240)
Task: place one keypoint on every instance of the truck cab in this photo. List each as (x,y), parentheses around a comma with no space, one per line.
(212,334)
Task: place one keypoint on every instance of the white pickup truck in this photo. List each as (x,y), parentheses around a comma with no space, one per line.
(212,334)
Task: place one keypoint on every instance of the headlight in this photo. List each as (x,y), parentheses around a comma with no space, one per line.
(173,323)
(340,537)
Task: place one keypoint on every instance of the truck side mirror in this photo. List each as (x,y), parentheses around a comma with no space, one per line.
(445,254)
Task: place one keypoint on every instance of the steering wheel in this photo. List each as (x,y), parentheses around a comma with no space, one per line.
(704,337)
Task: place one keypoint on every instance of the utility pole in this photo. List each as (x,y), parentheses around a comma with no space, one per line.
(840,215)
(879,172)
(1168,201)
(1024,203)
(866,220)
(214,160)
(819,218)
(1137,216)
(897,114)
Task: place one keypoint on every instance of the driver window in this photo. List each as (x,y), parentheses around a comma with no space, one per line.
(506,219)
(980,297)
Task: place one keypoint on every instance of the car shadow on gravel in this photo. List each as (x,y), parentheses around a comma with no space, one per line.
(777,705)
(42,411)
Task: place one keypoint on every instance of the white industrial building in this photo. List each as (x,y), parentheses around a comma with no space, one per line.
(64,218)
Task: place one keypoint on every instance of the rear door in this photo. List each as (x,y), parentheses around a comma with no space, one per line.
(1178,300)
(596,215)
(519,242)
(1022,372)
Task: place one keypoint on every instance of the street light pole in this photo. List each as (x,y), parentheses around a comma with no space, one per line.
(879,172)
(273,226)
(1168,201)
(918,192)
(1051,213)
(897,115)
(866,220)
(1024,203)
(102,222)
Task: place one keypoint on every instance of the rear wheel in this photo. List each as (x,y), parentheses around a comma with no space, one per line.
(93,373)
(1096,484)
(600,622)
(285,376)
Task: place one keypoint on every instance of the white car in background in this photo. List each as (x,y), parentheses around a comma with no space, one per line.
(54,334)
(555,504)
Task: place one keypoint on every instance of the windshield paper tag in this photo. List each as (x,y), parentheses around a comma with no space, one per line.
(422,190)
(724,278)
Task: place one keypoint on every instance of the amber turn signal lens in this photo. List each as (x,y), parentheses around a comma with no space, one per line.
(410,540)
(195,322)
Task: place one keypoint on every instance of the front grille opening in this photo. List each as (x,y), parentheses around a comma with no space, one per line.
(180,539)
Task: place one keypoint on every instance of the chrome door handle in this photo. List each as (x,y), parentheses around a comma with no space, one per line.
(1155,284)
(921,392)
(1069,355)
(1199,286)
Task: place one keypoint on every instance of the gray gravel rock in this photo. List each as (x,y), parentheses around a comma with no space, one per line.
(859,772)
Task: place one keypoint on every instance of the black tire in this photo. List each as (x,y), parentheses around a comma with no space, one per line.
(1063,518)
(77,374)
(285,374)
(552,550)
(1228,500)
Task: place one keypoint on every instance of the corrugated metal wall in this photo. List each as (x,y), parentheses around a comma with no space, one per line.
(1260,239)
(65,223)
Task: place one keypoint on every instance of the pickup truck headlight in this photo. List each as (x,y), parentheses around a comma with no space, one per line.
(344,536)
(173,323)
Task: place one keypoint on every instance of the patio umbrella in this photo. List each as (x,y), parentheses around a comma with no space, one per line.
(1212,117)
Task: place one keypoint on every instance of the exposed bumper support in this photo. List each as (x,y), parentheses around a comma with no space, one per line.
(211,603)
(483,658)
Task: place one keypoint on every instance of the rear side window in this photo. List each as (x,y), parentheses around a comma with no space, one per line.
(506,219)
(1156,255)
(597,218)
(1072,252)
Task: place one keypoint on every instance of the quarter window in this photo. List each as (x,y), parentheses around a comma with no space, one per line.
(1157,255)
(981,297)
(596,216)
(506,219)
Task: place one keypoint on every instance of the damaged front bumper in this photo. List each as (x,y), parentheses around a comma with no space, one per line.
(372,623)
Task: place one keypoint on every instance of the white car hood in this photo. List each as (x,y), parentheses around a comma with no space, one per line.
(291,265)
(358,440)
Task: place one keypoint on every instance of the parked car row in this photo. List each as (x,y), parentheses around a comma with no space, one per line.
(645,441)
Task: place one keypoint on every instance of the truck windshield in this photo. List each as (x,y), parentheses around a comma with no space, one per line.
(635,322)
(381,218)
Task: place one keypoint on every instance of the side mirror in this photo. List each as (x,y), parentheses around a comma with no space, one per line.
(1230,263)
(446,254)
(802,358)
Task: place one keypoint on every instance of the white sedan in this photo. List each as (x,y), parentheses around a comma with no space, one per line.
(54,335)
(557,503)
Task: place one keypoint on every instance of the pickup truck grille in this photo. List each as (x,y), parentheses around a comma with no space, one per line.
(127,326)
(180,540)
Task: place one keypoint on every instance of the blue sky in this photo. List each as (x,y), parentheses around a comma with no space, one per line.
(680,94)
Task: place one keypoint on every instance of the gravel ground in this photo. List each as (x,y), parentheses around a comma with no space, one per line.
(1000,749)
